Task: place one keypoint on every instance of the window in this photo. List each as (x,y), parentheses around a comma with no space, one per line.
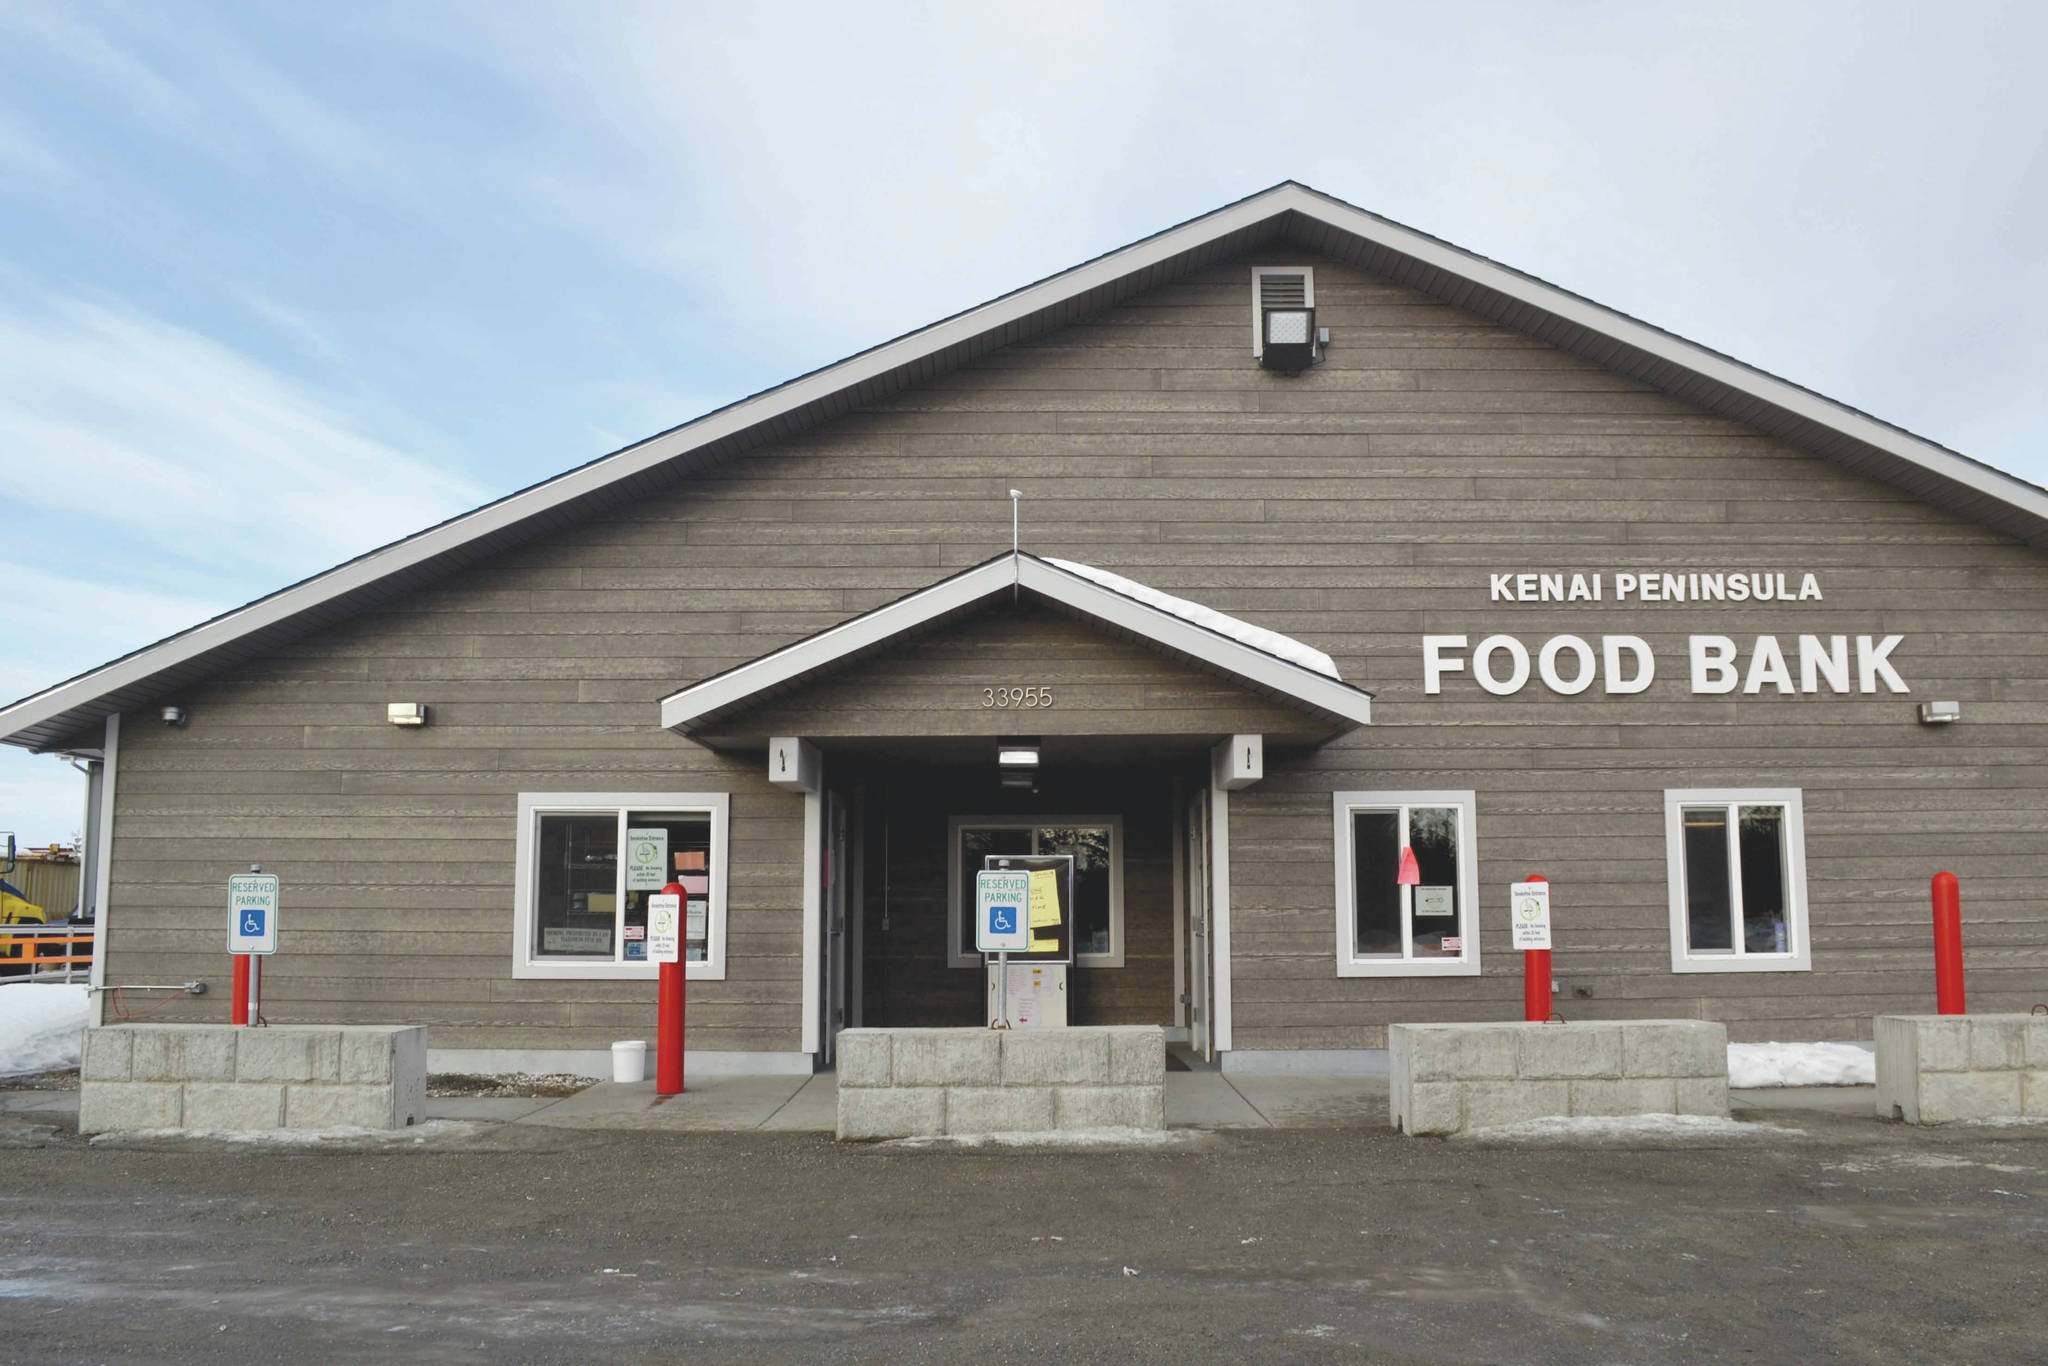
(1737,864)
(1096,842)
(1387,928)
(588,861)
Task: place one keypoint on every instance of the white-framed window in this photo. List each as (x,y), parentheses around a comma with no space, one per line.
(1097,844)
(1737,861)
(588,861)
(1427,927)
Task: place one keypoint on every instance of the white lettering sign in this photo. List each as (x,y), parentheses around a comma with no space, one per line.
(1691,585)
(1501,664)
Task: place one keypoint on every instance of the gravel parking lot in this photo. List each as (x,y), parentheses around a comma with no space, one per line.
(1851,1240)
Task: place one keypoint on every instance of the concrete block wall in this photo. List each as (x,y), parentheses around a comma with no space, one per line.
(1445,1078)
(1938,1069)
(183,1076)
(905,1083)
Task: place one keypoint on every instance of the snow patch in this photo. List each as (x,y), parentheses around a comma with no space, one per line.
(41,1026)
(1598,1127)
(1052,1138)
(1754,1065)
(1243,632)
(335,1136)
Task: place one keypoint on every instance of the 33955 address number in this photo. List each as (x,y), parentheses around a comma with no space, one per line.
(1023,699)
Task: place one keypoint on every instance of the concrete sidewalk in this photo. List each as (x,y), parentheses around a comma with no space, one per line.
(1194,1100)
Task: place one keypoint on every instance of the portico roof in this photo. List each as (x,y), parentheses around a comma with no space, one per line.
(1260,661)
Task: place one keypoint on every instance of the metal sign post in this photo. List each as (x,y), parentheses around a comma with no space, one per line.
(1002,923)
(252,930)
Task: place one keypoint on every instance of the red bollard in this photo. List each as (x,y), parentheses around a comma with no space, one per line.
(238,1006)
(1948,945)
(668,1007)
(1536,978)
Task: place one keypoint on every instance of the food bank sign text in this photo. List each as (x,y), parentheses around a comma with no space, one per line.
(1624,664)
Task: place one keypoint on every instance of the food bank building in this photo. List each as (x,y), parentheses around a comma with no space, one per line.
(1349,578)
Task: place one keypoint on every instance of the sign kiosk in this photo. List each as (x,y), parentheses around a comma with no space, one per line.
(1031,939)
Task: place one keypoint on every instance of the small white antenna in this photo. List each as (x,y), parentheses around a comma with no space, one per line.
(1016,502)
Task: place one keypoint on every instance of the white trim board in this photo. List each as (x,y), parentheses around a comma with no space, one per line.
(1289,212)
(697,704)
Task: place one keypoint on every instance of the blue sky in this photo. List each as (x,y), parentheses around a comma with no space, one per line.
(279,283)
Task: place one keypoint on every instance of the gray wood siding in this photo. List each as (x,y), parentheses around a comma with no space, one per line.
(1357,507)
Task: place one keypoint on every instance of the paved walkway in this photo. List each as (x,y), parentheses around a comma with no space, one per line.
(1194,1100)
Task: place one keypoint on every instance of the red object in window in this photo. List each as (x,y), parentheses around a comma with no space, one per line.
(1411,873)
(670,991)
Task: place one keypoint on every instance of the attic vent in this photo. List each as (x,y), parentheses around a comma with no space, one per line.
(1284,340)
(1283,291)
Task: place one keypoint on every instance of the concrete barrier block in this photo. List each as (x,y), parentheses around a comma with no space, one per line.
(2034,1093)
(1570,1051)
(288,1054)
(1998,1044)
(1461,1052)
(326,1106)
(1630,1096)
(1430,1107)
(1489,1103)
(110,1106)
(1137,1056)
(1110,1107)
(2037,1041)
(946,1057)
(234,1105)
(1946,1097)
(872,1112)
(863,1058)
(368,1056)
(998,1109)
(1056,1057)
(109,1054)
(1674,1048)
(1700,1095)
(1943,1043)
(184,1053)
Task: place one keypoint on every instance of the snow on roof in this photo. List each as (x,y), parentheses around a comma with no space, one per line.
(1243,632)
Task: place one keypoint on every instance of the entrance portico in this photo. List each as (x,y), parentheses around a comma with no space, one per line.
(1146,712)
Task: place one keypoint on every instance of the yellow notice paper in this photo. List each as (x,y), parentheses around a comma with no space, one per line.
(1045,909)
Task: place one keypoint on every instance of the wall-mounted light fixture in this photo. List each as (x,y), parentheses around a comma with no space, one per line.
(406,713)
(1940,713)
(173,716)
(1017,761)
(1290,339)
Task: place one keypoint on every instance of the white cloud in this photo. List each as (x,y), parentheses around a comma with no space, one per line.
(169,437)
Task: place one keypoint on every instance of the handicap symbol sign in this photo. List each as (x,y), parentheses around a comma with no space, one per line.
(252,924)
(1002,919)
(999,920)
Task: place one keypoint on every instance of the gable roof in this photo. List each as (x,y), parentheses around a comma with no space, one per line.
(1289,212)
(1260,660)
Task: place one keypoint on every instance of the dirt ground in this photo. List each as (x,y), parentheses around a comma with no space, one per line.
(1855,1241)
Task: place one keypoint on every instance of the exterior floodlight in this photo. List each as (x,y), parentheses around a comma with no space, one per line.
(173,716)
(1290,339)
(406,713)
(1940,713)
(1017,756)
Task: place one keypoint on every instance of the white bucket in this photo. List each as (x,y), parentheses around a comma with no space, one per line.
(629,1060)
